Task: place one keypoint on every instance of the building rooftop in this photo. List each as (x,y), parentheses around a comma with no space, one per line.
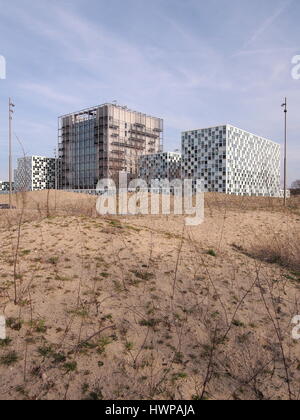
(232,126)
(36,156)
(92,110)
(163,153)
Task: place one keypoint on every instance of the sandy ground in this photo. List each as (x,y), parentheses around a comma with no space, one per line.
(144,307)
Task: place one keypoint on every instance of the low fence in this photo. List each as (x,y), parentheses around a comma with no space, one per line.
(89,192)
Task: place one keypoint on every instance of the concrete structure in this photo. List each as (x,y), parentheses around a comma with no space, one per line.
(35,173)
(232,161)
(160,166)
(100,142)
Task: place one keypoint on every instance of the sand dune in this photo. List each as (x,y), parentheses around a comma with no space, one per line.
(146,308)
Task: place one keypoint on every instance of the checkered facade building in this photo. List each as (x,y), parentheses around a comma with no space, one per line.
(35,173)
(4,186)
(232,161)
(160,166)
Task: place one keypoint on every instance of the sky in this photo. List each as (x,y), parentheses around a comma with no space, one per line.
(192,62)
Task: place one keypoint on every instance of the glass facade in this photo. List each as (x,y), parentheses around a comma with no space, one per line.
(101,142)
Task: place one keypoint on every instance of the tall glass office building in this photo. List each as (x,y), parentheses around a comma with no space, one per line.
(103,141)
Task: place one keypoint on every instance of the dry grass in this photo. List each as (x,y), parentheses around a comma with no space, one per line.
(60,203)
(283,250)
(143,308)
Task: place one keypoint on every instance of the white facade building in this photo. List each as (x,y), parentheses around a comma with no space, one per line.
(160,166)
(4,186)
(35,173)
(232,161)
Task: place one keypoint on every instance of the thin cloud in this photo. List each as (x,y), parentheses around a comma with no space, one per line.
(268,23)
(265,51)
(171,62)
(48,93)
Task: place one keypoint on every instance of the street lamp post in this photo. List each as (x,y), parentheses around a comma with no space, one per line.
(10,112)
(285,151)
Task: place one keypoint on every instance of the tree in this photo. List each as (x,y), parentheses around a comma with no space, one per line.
(296,185)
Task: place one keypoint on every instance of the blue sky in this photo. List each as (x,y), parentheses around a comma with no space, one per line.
(194,63)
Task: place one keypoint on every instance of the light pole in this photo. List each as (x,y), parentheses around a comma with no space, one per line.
(10,115)
(285,151)
(55,157)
